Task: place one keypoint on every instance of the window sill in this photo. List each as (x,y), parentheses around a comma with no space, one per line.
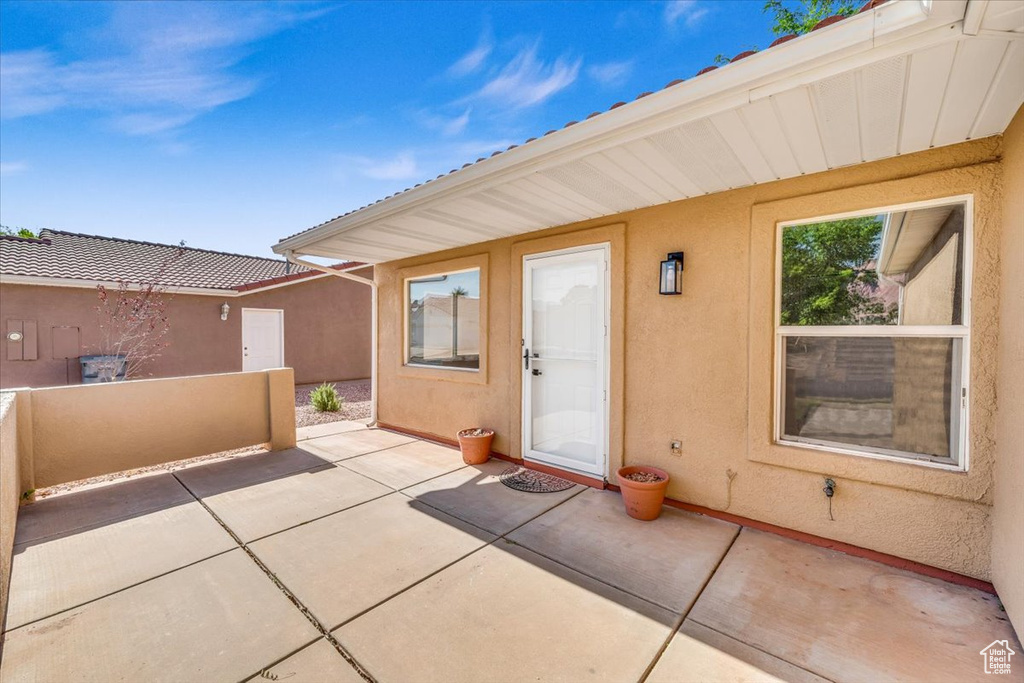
(857,453)
(433,372)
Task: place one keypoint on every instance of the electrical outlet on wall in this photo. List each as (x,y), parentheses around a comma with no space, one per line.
(677,447)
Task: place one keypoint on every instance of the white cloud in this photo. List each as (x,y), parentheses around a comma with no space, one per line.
(9,168)
(401,167)
(526,81)
(689,12)
(156,68)
(449,126)
(611,73)
(472,61)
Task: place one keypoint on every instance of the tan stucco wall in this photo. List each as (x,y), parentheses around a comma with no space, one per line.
(327,331)
(9,493)
(1008,508)
(694,367)
(84,431)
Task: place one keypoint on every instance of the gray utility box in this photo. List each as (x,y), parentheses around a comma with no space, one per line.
(96,369)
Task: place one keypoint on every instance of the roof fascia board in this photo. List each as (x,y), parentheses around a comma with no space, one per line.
(853,38)
(90,284)
(196,291)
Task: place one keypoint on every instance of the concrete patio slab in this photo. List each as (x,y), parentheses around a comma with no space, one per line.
(265,508)
(407,465)
(327,429)
(667,561)
(318,663)
(351,444)
(82,509)
(697,653)
(847,618)
(343,564)
(230,475)
(218,620)
(475,494)
(60,572)
(505,613)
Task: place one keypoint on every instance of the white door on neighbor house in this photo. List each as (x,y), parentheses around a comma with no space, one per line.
(565,359)
(262,339)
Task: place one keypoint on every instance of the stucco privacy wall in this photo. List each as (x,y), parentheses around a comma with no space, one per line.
(1008,510)
(689,365)
(84,431)
(9,490)
(327,331)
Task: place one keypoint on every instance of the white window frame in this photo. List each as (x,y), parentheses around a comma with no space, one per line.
(960,418)
(405,321)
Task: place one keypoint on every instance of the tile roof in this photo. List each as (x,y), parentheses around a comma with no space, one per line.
(69,255)
(828,21)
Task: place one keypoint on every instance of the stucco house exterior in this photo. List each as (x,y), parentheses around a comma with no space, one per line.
(752,382)
(225,312)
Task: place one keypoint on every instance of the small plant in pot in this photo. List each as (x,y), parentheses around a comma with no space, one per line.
(643,490)
(475,444)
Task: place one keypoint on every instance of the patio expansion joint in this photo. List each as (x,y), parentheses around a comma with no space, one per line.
(323,516)
(346,655)
(689,608)
(341,463)
(762,651)
(357,455)
(115,592)
(497,537)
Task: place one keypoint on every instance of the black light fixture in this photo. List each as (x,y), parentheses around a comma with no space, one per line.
(672,274)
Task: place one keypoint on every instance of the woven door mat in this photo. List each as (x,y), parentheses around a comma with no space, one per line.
(521,479)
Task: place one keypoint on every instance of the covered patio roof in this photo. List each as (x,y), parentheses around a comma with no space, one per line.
(899,77)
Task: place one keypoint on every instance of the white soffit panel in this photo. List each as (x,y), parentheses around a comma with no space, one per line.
(735,133)
(838,108)
(974,71)
(926,89)
(881,107)
(796,113)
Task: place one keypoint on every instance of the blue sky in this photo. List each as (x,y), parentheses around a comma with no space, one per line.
(231,125)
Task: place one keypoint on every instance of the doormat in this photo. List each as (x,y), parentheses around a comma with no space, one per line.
(521,479)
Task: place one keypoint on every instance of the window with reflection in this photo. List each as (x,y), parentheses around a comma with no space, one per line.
(443,320)
(873,333)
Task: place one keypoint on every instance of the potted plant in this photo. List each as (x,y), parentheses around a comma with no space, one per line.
(643,490)
(475,444)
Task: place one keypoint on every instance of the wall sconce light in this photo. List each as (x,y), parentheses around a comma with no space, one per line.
(224,310)
(672,274)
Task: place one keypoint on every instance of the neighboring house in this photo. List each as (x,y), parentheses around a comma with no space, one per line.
(278,314)
(887,147)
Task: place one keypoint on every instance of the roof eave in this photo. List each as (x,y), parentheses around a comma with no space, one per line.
(893,27)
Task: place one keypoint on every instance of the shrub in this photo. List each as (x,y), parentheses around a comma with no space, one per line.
(325,398)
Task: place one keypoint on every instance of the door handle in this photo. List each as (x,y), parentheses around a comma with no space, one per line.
(526,358)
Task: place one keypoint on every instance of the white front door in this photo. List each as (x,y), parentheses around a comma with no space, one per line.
(262,339)
(565,356)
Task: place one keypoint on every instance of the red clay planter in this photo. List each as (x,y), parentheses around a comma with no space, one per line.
(476,445)
(643,499)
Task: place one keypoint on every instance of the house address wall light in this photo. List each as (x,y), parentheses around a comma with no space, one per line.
(672,274)
(224,310)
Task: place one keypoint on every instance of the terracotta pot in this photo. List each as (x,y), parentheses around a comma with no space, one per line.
(476,450)
(643,500)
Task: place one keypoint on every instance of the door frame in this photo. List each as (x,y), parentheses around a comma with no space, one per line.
(604,363)
(280,317)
